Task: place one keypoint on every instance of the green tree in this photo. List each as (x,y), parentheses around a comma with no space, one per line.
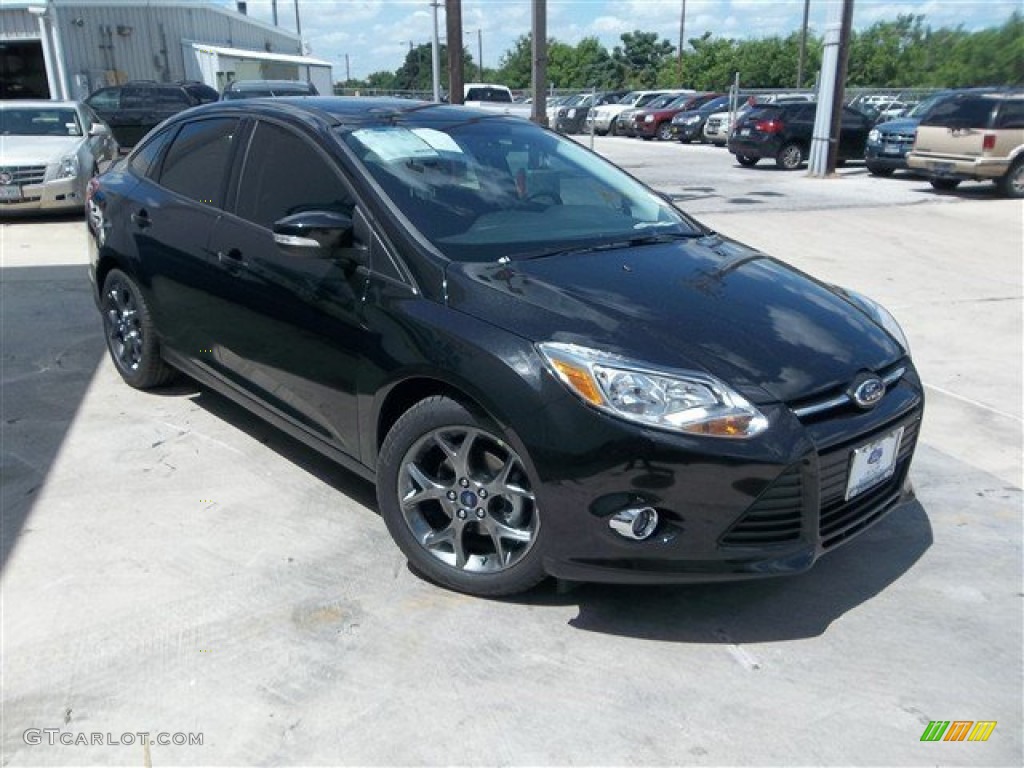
(641,57)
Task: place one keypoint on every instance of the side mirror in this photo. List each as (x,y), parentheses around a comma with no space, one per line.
(99,129)
(315,234)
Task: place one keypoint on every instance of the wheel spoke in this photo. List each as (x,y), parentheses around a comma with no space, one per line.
(436,538)
(428,488)
(502,531)
(460,549)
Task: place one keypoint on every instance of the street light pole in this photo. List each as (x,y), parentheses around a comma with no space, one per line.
(803,47)
(682,39)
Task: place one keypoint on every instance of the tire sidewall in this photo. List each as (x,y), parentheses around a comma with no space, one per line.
(151,370)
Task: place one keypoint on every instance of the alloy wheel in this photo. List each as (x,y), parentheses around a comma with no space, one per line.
(124,325)
(466,498)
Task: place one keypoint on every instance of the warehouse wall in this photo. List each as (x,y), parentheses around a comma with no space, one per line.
(105,44)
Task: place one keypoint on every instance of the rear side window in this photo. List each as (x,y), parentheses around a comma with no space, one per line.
(197,163)
(1011,115)
(172,97)
(135,97)
(285,174)
(962,113)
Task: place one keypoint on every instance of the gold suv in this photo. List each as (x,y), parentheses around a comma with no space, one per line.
(978,135)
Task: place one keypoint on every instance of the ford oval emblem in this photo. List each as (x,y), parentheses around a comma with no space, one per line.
(867,390)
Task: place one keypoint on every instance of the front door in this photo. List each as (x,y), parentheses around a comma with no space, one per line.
(290,332)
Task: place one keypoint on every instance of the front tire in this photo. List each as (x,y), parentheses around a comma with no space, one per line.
(747,162)
(664,132)
(790,157)
(459,501)
(944,185)
(131,334)
(880,170)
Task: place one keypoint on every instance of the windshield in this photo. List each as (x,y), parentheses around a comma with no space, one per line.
(661,101)
(39,121)
(492,189)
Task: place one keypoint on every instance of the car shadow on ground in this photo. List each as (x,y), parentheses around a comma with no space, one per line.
(750,611)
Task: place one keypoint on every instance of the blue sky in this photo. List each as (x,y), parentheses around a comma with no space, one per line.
(376,33)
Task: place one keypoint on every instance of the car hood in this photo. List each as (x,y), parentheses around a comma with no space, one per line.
(708,304)
(900,125)
(38,150)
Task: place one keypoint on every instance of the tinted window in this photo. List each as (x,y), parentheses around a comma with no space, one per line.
(1011,115)
(172,97)
(283,175)
(143,160)
(134,97)
(197,162)
(108,98)
(969,113)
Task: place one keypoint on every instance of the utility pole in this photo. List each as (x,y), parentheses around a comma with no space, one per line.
(840,84)
(480,52)
(682,40)
(273,10)
(298,25)
(803,46)
(539,113)
(348,72)
(456,62)
(435,58)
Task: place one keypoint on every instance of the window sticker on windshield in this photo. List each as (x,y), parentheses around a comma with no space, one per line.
(390,144)
(442,142)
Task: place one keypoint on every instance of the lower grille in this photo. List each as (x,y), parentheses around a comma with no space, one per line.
(841,519)
(775,518)
(25,174)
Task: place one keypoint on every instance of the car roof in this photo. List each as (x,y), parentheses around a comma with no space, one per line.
(242,84)
(349,110)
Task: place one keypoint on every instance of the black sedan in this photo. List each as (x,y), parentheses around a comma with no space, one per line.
(783,133)
(545,367)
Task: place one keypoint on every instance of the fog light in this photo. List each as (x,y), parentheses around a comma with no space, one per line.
(637,523)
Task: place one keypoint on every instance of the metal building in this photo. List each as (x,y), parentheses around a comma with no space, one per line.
(70,48)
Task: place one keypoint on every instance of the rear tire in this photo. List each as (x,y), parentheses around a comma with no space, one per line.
(748,162)
(459,501)
(1012,183)
(131,334)
(790,157)
(944,185)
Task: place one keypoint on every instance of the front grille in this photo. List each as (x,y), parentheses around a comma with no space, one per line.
(898,138)
(714,123)
(25,174)
(775,518)
(841,519)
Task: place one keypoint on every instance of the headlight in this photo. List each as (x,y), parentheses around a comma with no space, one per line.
(572,113)
(648,118)
(880,315)
(693,120)
(874,136)
(694,403)
(68,167)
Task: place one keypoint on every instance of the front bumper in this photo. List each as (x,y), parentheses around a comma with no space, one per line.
(47,196)
(752,509)
(687,132)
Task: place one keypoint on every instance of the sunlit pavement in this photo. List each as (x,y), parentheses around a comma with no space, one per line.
(173,566)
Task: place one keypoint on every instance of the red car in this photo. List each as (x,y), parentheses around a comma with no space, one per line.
(656,122)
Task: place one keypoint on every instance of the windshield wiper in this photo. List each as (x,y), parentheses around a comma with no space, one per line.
(613,245)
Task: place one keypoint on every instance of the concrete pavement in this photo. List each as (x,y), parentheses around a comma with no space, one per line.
(173,565)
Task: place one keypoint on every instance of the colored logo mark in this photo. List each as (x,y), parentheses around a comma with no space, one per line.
(958,730)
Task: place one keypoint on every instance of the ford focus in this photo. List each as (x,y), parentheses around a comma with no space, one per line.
(545,367)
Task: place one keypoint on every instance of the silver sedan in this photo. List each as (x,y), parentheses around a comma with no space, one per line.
(48,152)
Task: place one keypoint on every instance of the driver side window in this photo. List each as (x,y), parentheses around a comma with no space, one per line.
(284,174)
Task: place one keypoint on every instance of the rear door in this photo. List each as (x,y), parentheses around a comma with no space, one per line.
(172,218)
(853,134)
